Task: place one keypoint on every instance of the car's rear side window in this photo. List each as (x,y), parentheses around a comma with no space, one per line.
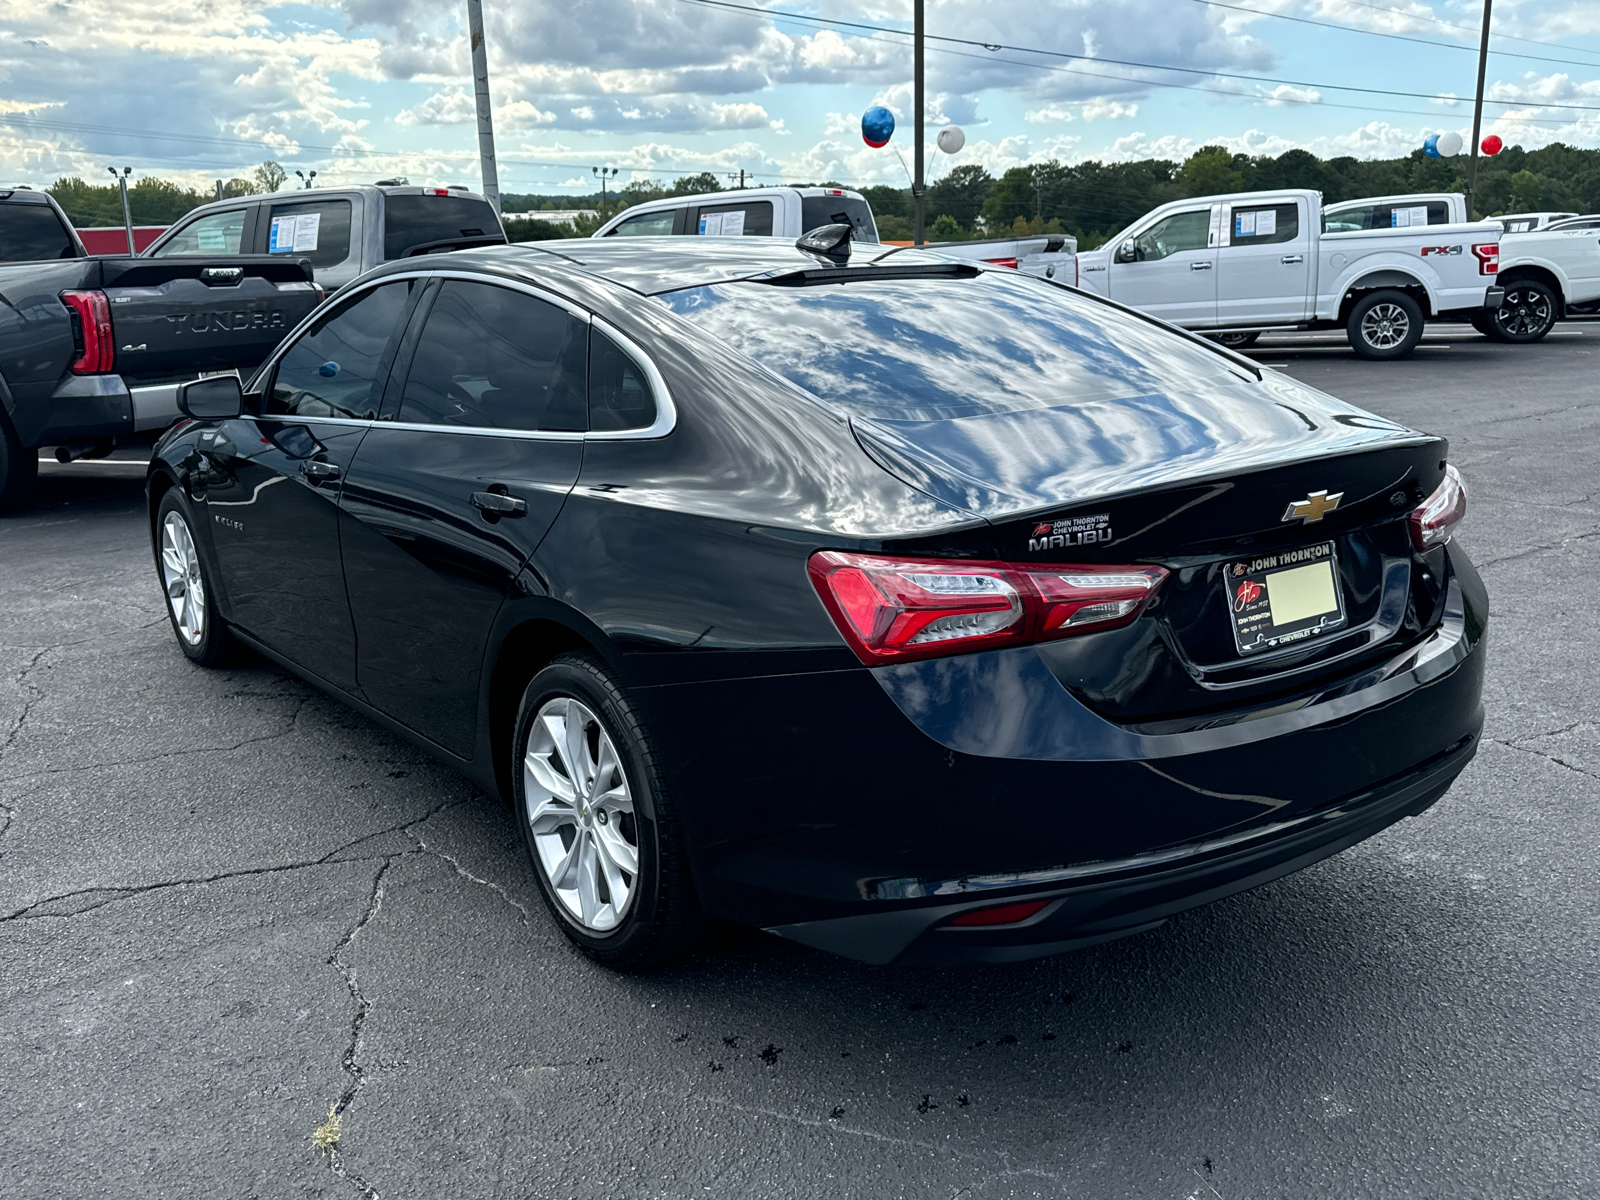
(1265,224)
(336,369)
(750,219)
(816,211)
(938,348)
(30,232)
(494,358)
(619,393)
(314,229)
(214,233)
(411,223)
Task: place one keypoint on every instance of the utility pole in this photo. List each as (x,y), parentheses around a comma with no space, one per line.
(219,189)
(480,81)
(127,215)
(1477,107)
(919,189)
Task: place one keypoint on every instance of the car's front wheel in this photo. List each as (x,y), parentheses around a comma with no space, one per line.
(191,602)
(1526,314)
(598,824)
(1384,324)
(1236,340)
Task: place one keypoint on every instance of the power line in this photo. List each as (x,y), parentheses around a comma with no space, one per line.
(1397,37)
(1472,29)
(1122,62)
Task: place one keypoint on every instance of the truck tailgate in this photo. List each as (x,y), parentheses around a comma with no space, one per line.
(177,316)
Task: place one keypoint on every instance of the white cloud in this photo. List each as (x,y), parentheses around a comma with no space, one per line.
(1100,109)
(1049,115)
(1287,94)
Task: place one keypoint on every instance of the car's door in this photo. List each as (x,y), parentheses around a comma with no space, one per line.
(273,488)
(1169,271)
(1264,264)
(480,443)
(1578,248)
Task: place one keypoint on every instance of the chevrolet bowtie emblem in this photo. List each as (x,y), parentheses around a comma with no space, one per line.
(1313,506)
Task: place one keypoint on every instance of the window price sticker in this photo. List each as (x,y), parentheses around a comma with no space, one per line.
(294,235)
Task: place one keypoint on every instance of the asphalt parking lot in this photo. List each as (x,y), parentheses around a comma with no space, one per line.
(228,904)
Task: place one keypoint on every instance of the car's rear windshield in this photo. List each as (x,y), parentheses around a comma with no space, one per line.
(413,221)
(29,232)
(940,348)
(816,211)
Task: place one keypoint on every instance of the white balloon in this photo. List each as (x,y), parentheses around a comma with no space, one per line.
(1449,145)
(952,139)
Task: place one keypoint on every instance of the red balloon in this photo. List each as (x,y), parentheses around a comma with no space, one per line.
(1492,145)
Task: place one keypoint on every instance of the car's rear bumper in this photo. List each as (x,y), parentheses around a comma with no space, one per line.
(858,810)
(1102,901)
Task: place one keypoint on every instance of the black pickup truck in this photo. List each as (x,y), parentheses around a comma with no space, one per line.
(92,349)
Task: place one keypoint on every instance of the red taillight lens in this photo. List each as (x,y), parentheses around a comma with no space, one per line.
(1436,518)
(440,191)
(94,327)
(1003,262)
(1003,914)
(1488,256)
(898,609)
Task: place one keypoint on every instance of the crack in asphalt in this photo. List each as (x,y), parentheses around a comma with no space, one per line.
(27,708)
(1560,762)
(1520,554)
(468,875)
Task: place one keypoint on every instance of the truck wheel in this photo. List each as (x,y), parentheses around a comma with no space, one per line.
(19,467)
(1482,322)
(1236,341)
(1384,324)
(1526,314)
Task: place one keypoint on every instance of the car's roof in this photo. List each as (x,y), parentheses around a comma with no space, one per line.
(653,265)
(23,195)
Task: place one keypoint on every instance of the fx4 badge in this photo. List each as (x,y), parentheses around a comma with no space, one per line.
(1071,531)
(1313,507)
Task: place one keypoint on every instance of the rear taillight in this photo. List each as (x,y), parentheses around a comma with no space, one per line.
(438,191)
(1436,518)
(91,332)
(1488,256)
(1003,262)
(897,609)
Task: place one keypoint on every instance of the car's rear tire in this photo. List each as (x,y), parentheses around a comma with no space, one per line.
(1527,313)
(1236,340)
(597,821)
(1384,324)
(19,468)
(186,585)
(1482,323)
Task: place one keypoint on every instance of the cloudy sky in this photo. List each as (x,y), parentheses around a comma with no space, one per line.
(360,89)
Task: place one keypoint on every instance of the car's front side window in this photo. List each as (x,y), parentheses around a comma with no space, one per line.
(1180,231)
(217,233)
(337,368)
(653,224)
(494,358)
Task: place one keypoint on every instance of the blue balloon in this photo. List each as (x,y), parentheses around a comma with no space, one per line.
(1430,145)
(877,126)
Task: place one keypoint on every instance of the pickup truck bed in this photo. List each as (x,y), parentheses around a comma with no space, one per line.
(92,349)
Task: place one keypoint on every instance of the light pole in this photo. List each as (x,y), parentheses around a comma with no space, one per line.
(919,191)
(127,215)
(480,84)
(603,172)
(1477,107)
(306,180)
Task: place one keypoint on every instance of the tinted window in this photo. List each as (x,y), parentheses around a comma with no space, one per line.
(651,224)
(736,220)
(411,222)
(816,211)
(1180,231)
(317,229)
(215,233)
(1387,216)
(492,358)
(619,393)
(1265,224)
(335,369)
(936,348)
(29,232)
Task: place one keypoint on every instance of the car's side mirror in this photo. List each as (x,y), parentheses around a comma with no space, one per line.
(217,398)
(1127,252)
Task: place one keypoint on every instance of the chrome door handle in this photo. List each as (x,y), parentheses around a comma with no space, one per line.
(1289,260)
(1200,266)
(320,472)
(494,505)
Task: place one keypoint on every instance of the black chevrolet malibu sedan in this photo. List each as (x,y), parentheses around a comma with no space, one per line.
(917,610)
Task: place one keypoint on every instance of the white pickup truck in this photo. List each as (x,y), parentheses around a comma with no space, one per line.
(1546,273)
(790,212)
(1233,266)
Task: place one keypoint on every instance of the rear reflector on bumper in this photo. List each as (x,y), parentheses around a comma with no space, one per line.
(896,609)
(1004,914)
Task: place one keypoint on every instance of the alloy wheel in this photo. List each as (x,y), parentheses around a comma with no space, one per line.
(180,573)
(580,812)
(1385,326)
(1523,311)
